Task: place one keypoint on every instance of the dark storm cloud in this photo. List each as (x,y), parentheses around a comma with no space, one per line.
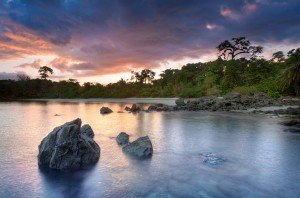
(109,34)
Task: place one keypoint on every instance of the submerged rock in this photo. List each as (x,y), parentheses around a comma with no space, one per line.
(212,159)
(140,148)
(105,110)
(69,146)
(123,138)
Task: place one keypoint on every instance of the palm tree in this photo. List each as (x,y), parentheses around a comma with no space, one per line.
(291,78)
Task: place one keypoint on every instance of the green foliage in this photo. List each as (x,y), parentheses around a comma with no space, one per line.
(246,90)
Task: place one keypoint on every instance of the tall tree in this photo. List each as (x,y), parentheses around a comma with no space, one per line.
(237,46)
(44,72)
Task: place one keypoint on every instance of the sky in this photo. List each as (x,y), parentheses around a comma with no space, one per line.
(103,40)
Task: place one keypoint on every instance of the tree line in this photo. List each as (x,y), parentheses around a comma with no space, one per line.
(239,67)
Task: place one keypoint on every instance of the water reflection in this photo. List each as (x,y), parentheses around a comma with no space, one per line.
(262,160)
(64,183)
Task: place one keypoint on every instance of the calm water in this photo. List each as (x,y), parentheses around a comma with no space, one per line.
(260,160)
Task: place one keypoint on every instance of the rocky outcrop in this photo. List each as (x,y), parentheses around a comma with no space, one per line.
(232,101)
(122,138)
(140,148)
(105,110)
(69,146)
(160,107)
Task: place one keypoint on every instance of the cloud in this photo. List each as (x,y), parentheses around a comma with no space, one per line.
(88,39)
(36,64)
(250,7)
(229,13)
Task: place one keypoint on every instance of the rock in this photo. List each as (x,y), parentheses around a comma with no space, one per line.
(127,108)
(152,108)
(87,130)
(291,122)
(135,108)
(293,130)
(69,146)
(233,97)
(120,111)
(180,102)
(289,111)
(105,110)
(212,159)
(123,138)
(140,148)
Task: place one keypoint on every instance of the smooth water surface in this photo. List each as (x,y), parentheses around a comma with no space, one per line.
(258,159)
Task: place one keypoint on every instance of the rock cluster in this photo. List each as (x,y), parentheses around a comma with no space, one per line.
(140,148)
(134,108)
(69,146)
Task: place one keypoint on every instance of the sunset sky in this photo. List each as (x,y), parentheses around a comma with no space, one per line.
(102,41)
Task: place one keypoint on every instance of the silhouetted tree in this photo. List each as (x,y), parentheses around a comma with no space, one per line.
(44,72)
(278,57)
(237,46)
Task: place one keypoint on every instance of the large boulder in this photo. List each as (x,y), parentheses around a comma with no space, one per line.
(105,110)
(140,148)
(69,146)
(122,138)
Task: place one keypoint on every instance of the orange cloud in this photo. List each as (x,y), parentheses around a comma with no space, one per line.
(18,42)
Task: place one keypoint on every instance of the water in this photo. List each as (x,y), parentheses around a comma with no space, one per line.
(196,154)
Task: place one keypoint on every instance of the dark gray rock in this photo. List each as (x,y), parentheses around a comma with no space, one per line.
(105,110)
(127,108)
(140,148)
(291,123)
(122,138)
(289,111)
(180,102)
(233,97)
(87,130)
(135,108)
(152,108)
(69,146)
